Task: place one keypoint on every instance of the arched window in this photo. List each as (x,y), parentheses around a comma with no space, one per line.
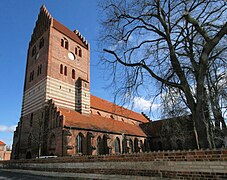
(33,51)
(41,43)
(31,76)
(136,147)
(61,69)
(79,143)
(89,143)
(31,120)
(117,147)
(73,74)
(80,52)
(104,145)
(39,71)
(65,71)
(99,145)
(62,42)
(142,145)
(76,50)
(40,68)
(145,145)
(124,146)
(66,44)
(131,150)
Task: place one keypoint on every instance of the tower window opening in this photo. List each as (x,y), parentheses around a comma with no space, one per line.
(73,74)
(66,44)
(41,43)
(31,120)
(31,76)
(33,51)
(76,50)
(61,69)
(65,71)
(79,52)
(40,69)
(62,42)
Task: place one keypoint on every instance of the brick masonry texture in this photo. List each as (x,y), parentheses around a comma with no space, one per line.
(197,164)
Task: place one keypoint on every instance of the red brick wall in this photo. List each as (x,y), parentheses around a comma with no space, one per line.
(198,164)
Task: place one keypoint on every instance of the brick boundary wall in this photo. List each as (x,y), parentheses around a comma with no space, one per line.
(197,164)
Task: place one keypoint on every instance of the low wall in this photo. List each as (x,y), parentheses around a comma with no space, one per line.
(199,164)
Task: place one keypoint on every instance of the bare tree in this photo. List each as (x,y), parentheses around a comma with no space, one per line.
(170,42)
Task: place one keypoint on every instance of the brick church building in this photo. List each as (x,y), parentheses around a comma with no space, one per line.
(59,115)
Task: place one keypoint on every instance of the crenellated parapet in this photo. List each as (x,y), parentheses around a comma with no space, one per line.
(81,37)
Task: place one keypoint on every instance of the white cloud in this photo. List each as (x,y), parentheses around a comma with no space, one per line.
(4,128)
(143,104)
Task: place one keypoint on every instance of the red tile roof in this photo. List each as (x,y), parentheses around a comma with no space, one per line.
(103,105)
(2,143)
(60,27)
(99,123)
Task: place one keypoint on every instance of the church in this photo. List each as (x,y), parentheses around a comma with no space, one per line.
(59,116)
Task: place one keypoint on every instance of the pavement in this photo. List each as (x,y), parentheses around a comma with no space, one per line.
(15,174)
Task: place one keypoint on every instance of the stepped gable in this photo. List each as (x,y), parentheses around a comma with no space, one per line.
(98,123)
(42,24)
(103,105)
(2,143)
(76,36)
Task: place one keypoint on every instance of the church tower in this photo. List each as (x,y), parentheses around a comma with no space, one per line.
(57,69)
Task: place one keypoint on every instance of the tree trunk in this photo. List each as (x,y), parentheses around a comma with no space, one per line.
(203,126)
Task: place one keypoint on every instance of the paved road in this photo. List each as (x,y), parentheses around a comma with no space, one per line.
(11,175)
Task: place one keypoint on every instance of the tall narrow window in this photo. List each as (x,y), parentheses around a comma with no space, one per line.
(31,76)
(65,71)
(117,147)
(66,44)
(73,74)
(40,69)
(80,52)
(62,42)
(76,50)
(34,51)
(79,143)
(31,120)
(41,43)
(61,69)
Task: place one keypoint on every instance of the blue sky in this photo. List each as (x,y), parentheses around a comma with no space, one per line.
(17,20)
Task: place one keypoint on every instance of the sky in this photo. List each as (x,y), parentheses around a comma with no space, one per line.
(17,19)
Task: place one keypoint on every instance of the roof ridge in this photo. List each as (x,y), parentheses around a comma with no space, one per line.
(117,105)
